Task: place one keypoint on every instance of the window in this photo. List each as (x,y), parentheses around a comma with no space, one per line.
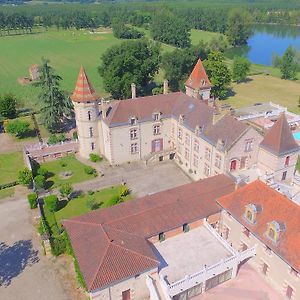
(249,216)
(218,161)
(179,149)
(186,154)
(207,153)
(265,268)
(89,115)
(196,161)
(287,161)
(180,133)
(156,129)
(126,295)
(133,134)
(196,146)
(156,117)
(132,121)
(206,170)
(248,145)
(187,139)
(161,237)
(92,146)
(186,227)
(246,232)
(284,176)
(91,131)
(134,148)
(226,233)
(271,233)
(244,247)
(289,292)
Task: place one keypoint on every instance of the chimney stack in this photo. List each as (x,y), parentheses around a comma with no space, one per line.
(133,91)
(166,86)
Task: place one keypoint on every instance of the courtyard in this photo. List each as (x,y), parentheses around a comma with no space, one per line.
(188,253)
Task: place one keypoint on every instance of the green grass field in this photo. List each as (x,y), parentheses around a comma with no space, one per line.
(72,164)
(10,164)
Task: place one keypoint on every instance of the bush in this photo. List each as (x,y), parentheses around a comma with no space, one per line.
(8,185)
(116,199)
(61,137)
(52,140)
(66,189)
(18,128)
(90,171)
(75,135)
(58,245)
(40,182)
(124,191)
(41,229)
(42,171)
(51,203)
(25,177)
(91,192)
(32,200)
(95,157)
(8,106)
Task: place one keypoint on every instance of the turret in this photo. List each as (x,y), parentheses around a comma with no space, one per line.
(85,101)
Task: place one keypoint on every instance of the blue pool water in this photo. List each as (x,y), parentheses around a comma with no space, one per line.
(297,136)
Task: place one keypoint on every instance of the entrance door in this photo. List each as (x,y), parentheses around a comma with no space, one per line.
(126,295)
(233,165)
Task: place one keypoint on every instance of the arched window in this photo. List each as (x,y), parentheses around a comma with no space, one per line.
(89,115)
(272,233)
(287,161)
(249,215)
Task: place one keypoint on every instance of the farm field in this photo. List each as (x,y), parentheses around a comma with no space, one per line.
(262,88)
(10,164)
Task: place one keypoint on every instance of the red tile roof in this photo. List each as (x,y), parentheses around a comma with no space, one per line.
(173,104)
(198,79)
(279,139)
(111,244)
(84,91)
(275,207)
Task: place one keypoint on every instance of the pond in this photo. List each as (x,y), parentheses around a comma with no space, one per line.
(266,40)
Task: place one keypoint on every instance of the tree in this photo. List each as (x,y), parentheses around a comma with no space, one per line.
(288,64)
(8,106)
(179,63)
(218,73)
(40,182)
(25,177)
(240,68)
(18,128)
(170,29)
(238,27)
(56,105)
(51,203)
(130,62)
(121,31)
(65,190)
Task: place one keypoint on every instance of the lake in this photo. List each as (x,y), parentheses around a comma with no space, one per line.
(266,40)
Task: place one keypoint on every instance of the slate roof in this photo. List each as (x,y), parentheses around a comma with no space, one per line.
(198,79)
(279,139)
(275,207)
(111,244)
(84,91)
(169,105)
(227,129)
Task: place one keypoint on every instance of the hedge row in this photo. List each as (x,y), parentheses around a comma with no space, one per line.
(8,185)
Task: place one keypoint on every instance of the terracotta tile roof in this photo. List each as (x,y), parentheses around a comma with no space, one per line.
(118,235)
(279,139)
(275,207)
(227,129)
(198,79)
(169,105)
(83,90)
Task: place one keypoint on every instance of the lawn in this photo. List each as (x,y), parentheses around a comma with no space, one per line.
(262,88)
(78,206)
(56,168)
(10,164)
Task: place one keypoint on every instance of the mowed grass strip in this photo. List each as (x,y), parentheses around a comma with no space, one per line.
(64,165)
(263,88)
(10,164)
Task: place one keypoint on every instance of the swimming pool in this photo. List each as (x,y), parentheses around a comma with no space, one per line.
(297,136)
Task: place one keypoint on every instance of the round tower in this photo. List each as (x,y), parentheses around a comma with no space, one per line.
(85,101)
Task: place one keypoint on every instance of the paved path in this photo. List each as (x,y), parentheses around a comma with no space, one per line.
(25,273)
(141,179)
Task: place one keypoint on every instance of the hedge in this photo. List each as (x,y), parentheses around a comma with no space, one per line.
(32,200)
(8,185)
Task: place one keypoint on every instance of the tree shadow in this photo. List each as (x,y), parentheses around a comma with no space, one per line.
(14,259)
(62,204)
(49,184)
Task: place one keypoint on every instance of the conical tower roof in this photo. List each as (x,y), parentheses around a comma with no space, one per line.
(84,91)
(279,139)
(198,79)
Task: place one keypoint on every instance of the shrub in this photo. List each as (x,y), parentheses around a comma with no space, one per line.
(116,199)
(75,135)
(91,192)
(61,137)
(25,177)
(40,182)
(8,106)
(51,203)
(90,171)
(52,140)
(66,189)
(18,128)
(95,157)
(124,191)
(32,200)
(41,229)
(58,245)
(8,185)
(42,171)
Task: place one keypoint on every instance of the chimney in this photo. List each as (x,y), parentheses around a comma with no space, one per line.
(133,91)
(166,86)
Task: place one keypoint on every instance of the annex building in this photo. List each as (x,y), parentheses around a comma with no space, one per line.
(185,127)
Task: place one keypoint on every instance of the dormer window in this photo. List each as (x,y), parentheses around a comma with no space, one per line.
(251,212)
(133,120)
(202,82)
(287,161)
(156,116)
(181,119)
(274,230)
(198,129)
